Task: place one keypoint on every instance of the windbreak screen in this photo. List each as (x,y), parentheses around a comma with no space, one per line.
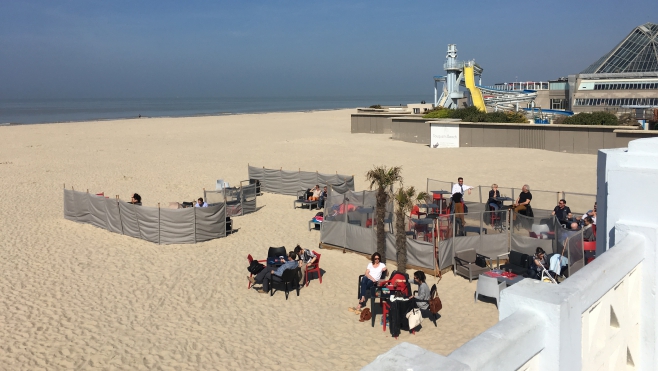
(335,207)
(529,233)
(360,239)
(129,223)
(177,226)
(272,181)
(256,173)
(446,245)
(213,197)
(419,253)
(570,244)
(289,182)
(232,195)
(97,211)
(495,240)
(249,198)
(76,206)
(149,223)
(334,233)
(113,216)
(210,222)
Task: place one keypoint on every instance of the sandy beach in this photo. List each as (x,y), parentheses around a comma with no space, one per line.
(74,296)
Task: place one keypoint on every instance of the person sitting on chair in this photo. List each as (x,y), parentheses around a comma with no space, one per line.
(423,293)
(374,272)
(136,199)
(493,194)
(537,264)
(200,203)
(588,232)
(591,214)
(562,212)
(306,257)
(523,200)
(317,192)
(267,274)
(323,196)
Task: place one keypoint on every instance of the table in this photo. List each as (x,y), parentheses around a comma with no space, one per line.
(311,204)
(503,199)
(312,224)
(497,274)
(427,207)
(423,222)
(365,210)
(438,195)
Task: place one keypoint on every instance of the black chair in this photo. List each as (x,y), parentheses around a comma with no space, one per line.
(426,313)
(290,278)
(275,252)
(517,263)
(528,211)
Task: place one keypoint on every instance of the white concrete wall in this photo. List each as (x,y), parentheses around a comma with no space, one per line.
(602,317)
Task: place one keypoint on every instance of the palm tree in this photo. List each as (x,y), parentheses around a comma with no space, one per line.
(405,198)
(383,179)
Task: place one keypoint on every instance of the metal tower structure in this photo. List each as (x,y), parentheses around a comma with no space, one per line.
(453,79)
(460,73)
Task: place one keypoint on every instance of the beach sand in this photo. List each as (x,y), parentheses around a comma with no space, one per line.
(73,296)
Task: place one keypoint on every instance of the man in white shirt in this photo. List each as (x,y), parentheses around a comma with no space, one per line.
(200,203)
(460,187)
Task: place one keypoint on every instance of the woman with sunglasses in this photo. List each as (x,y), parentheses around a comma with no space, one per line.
(374,272)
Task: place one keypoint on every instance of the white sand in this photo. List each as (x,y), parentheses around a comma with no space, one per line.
(73,296)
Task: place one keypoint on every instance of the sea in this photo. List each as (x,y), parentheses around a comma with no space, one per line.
(36,111)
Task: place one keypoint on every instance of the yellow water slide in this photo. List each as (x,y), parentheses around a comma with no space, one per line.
(476,94)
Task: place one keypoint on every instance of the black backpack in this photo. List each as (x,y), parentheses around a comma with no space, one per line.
(255,267)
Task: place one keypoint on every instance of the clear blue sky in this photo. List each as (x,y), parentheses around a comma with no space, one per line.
(94,48)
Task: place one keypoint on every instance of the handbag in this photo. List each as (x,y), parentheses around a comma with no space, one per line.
(480,261)
(365,315)
(255,267)
(435,305)
(415,318)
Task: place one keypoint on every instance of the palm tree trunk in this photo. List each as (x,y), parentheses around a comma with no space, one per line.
(401,240)
(381,214)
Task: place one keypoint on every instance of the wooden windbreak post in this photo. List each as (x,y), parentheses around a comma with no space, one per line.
(158,223)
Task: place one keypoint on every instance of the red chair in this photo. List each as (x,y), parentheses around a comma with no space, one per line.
(415,211)
(314,268)
(589,247)
(594,229)
(250,259)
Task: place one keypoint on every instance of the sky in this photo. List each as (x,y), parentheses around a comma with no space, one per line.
(150,49)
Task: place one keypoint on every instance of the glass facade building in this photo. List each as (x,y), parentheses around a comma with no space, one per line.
(638,52)
(624,78)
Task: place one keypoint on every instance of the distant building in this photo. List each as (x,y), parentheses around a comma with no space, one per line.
(624,79)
